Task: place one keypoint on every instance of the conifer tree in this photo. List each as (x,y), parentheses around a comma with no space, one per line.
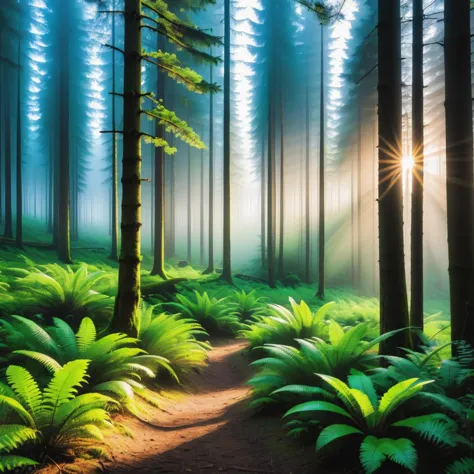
(154,16)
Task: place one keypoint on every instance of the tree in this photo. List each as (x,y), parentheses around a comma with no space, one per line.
(163,22)
(393,291)
(416,306)
(19,156)
(63,194)
(210,254)
(322,221)
(227,258)
(459,168)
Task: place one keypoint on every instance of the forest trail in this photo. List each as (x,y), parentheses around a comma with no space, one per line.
(211,430)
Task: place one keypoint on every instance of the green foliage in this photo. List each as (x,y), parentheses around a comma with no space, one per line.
(289,371)
(55,291)
(13,437)
(174,339)
(117,366)
(247,305)
(62,420)
(461,466)
(211,313)
(360,413)
(283,326)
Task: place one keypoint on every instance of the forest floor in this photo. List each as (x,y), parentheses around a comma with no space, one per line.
(210,429)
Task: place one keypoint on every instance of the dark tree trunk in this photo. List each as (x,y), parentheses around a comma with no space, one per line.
(416,306)
(114,200)
(210,256)
(307,192)
(201,212)
(227,262)
(393,291)
(159,182)
(282,187)
(459,168)
(63,196)
(189,205)
(19,186)
(127,303)
(262,201)
(8,231)
(322,222)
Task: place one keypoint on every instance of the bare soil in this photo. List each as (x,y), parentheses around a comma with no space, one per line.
(211,430)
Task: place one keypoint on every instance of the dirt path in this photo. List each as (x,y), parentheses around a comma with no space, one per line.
(211,430)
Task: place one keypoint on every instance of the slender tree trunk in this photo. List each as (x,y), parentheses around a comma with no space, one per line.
(189,220)
(114,201)
(282,187)
(64,231)
(416,306)
(210,256)
(201,212)
(322,237)
(19,186)
(262,201)
(459,168)
(227,262)
(359,197)
(172,207)
(127,303)
(159,181)
(393,291)
(8,230)
(307,191)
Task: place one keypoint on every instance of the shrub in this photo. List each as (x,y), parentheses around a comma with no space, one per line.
(211,313)
(13,437)
(116,366)
(247,305)
(382,424)
(282,326)
(61,292)
(173,338)
(64,421)
(289,371)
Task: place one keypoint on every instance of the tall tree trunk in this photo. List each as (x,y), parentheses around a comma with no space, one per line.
(114,200)
(172,207)
(189,205)
(393,291)
(359,196)
(262,202)
(159,182)
(63,197)
(322,237)
(459,168)
(126,315)
(8,230)
(282,186)
(307,191)
(227,268)
(210,256)
(201,211)
(19,186)
(416,306)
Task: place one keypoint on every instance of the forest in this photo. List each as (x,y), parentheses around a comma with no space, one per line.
(236,236)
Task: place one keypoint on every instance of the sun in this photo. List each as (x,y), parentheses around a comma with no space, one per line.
(408,163)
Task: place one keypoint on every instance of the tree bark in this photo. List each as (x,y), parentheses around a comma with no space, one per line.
(227,261)
(393,291)
(126,314)
(210,256)
(322,219)
(8,230)
(282,187)
(459,168)
(19,185)
(114,203)
(416,306)
(63,197)
(307,192)
(159,182)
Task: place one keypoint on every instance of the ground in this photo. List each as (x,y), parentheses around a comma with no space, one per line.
(211,430)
